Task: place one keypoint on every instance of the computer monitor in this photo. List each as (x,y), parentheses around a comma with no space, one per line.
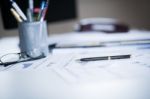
(58,10)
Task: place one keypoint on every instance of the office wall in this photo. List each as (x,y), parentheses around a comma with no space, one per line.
(134,12)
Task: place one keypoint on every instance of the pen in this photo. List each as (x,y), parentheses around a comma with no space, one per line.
(16,15)
(94,58)
(41,10)
(29,15)
(44,12)
(30,10)
(120,57)
(104,58)
(31,4)
(16,7)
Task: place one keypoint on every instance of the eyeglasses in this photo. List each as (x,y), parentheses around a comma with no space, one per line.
(13,58)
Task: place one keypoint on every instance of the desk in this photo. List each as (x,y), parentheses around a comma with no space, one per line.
(60,76)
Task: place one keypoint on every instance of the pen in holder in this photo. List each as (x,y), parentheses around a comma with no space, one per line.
(33,38)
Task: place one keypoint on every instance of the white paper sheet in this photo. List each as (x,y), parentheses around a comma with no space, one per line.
(61,76)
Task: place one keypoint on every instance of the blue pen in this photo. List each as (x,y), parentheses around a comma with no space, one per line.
(41,10)
(44,11)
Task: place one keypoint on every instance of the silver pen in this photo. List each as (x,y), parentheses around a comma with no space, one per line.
(19,11)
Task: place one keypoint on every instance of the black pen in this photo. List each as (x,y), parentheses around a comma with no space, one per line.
(104,58)
(94,58)
(120,57)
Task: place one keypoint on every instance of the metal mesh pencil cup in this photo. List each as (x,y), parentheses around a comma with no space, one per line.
(34,38)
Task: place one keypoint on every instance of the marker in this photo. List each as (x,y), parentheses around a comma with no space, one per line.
(104,58)
(16,15)
(16,7)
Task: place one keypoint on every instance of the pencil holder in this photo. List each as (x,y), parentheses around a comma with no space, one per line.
(34,38)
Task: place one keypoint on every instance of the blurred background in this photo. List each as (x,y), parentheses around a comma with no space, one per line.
(133,12)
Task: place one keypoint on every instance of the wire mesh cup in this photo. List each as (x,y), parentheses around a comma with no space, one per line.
(34,38)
